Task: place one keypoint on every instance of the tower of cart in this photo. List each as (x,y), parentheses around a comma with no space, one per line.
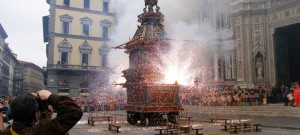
(149,100)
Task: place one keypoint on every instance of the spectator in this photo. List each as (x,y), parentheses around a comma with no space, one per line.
(296,94)
(25,115)
(1,118)
(286,92)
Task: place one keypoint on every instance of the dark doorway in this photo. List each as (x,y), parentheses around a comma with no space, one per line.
(287,52)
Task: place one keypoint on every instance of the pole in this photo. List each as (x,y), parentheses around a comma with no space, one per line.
(240,118)
(97,112)
(230,115)
(115,119)
(240,121)
(251,126)
(104,112)
(215,116)
(112,116)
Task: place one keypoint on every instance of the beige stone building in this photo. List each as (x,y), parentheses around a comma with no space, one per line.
(258,41)
(30,76)
(77,36)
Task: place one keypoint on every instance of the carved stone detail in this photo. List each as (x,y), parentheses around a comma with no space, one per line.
(259,66)
(65,45)
(85,47)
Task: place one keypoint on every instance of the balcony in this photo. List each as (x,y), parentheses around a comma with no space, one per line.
(73,67)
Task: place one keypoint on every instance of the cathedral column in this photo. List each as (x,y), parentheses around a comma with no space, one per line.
(216,66)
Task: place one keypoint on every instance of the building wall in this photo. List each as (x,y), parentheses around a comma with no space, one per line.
(8,63)
(75,56)
(33,78)
(96,5)
(75,72)
(73,80)
(222,46)
(76,27)
(18,80)
(76,37)
(253,25)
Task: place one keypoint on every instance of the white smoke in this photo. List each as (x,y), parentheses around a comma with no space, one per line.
(126,24)
(188,55)
(184,60)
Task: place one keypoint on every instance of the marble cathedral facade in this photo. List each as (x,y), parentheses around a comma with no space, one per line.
(257,41)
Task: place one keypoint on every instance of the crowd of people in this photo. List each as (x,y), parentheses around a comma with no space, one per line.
(87,103)
(31,113)
(5,101)
(229,96)
(291,94)
(100,103)
(236,96)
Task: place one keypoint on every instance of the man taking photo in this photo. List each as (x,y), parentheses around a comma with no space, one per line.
(26,113)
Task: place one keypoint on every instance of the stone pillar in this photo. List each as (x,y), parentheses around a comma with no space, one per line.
(216,66)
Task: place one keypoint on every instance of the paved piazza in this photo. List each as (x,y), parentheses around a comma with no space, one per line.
(282,121)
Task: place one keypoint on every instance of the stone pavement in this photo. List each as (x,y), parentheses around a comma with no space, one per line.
(276,120)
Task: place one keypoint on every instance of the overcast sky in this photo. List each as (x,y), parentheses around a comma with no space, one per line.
(22,21)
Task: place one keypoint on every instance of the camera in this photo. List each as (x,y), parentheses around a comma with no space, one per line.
(43,105)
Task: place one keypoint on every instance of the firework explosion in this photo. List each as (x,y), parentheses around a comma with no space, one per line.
(188,59)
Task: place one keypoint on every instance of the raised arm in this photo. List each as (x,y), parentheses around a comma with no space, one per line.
(68,114)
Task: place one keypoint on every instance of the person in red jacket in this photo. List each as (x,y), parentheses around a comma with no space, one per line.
(297,94)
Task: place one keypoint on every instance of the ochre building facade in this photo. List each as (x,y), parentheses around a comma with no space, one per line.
(77,36)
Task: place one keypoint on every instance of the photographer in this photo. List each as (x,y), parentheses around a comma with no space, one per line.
(26,113)
(1,116)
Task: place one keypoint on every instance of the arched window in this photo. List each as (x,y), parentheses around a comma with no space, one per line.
(104,50)
(85,53)
(64,49)
(259,66)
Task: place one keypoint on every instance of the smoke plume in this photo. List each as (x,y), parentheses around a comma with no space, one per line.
(188,57)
